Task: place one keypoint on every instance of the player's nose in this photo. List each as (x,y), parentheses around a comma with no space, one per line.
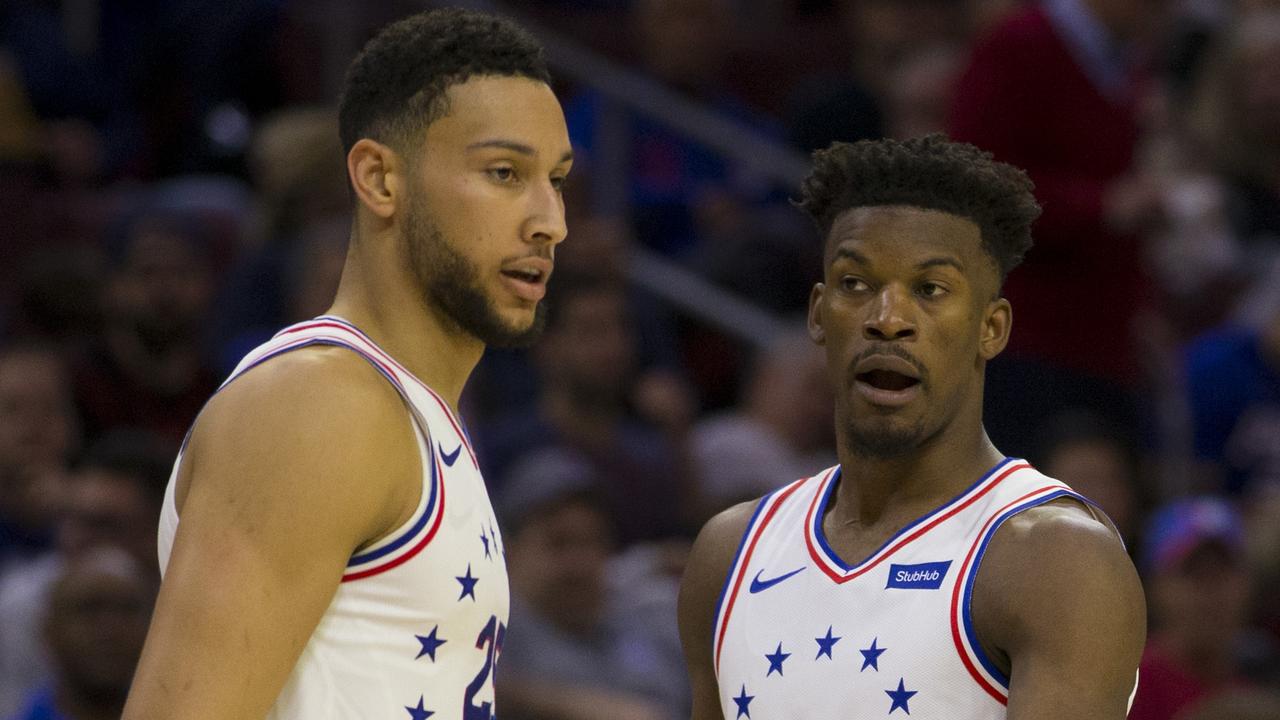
(546,222)
(891,316)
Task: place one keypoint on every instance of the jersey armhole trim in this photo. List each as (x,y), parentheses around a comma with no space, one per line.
(741,559)
(981,668)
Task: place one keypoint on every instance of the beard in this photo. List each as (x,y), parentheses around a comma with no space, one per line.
(882,439)
(451,285)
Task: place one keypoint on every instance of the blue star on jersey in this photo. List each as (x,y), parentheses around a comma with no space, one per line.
(430,643)
(825,644)
(900,697)
(468,584)
(744,702)
(871,656)
(776,660)
(485,539)
(419,712)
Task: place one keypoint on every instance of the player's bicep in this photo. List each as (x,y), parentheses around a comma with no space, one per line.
(277,500)
(704,577)
(1059,596)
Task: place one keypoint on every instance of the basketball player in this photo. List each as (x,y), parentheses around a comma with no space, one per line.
(328,545)
(926,574)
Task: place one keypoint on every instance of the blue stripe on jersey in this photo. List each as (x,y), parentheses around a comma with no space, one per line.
(826,498)
(966,612)
(280,351)
(395,382)
(728,580)
(412,532)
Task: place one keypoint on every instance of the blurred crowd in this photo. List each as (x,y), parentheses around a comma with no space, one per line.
(172,193)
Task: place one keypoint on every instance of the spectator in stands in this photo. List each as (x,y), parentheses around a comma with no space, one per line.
(1233,386)
(589,385)
(39,432)
(780,432)
(1233,119)
(1198,591)
(684,45)
(150,367)
(575,649)
(1053,88)
(111,500)
(94,627)
(1237,705)
(1098,460)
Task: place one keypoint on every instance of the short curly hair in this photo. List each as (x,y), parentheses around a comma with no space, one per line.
(396,86)
(930,172)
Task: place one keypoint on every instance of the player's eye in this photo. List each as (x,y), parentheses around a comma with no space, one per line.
(502,173)
(853,284)
(559,182)
(931,290)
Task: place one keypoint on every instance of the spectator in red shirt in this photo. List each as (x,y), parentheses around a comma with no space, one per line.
(1198,589)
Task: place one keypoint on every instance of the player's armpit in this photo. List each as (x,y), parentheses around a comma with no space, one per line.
(704,577)
(288,471)
(1058,604)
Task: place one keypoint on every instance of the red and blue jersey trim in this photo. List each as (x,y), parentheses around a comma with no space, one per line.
(764,513)
(835,568)
(418,531)
(399,548)
(341,323)
(989,677)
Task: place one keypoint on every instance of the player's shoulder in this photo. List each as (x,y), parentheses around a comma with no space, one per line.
(1055,547)
(316,429)
(321,408)
(320,388)
(1066,525)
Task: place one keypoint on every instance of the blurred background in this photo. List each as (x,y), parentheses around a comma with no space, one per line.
(172,192)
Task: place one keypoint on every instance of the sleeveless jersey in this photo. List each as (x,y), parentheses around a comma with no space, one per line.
(417,623)
(799,633)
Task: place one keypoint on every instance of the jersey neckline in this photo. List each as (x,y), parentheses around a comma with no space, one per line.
(837,569)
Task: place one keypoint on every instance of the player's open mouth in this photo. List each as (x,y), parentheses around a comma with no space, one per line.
(887,381)
(528,278)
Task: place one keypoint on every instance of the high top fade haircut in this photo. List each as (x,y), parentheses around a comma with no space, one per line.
(397,85)
(931,173)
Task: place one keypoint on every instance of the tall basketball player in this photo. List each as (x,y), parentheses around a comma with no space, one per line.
(926,574)
(328,546)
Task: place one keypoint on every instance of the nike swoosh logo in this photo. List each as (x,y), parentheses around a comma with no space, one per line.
(449,458)
(758,585)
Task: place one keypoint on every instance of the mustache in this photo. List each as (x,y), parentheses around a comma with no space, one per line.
(889,349)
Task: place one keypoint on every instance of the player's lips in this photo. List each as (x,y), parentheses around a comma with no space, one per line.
(527,277)
(886,380)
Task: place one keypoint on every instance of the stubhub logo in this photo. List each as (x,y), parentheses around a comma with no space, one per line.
(925,576)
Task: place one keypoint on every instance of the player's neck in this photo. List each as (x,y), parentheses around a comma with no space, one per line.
(380,297)
(876,488)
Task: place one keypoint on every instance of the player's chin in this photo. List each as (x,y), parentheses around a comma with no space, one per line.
(519,329)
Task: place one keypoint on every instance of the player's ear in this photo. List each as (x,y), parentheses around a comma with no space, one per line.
(816,331)
(997,322)
(376,176)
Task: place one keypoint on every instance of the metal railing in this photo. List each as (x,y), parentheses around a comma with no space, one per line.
(626,91)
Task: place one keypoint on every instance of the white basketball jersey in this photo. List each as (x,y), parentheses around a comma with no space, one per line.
(418,621)
(799,633)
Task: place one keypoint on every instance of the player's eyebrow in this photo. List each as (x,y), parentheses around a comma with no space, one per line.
(941,262)
(845,252)
(515,147)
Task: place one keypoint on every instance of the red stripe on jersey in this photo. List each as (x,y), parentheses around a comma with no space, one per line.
(426,539)
(839,577)
(960,581)
(448,412)
(746,561)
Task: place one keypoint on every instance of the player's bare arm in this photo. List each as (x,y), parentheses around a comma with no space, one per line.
(704,578)
(279,485)
(1059,607)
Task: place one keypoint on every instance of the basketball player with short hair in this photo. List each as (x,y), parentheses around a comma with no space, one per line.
(328,545)
(926,574)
